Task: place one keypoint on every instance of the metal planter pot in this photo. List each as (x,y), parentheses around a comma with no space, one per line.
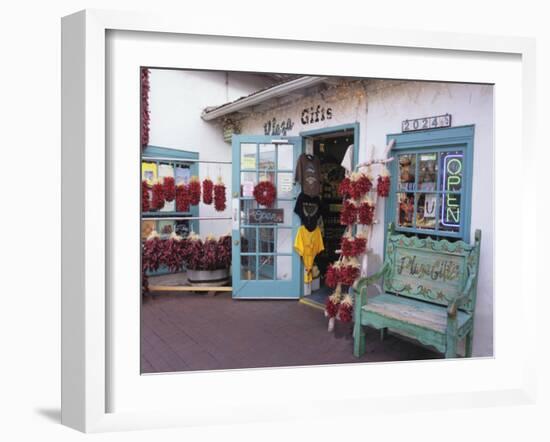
(214,278)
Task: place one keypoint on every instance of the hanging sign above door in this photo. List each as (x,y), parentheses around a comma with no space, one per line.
(435,122)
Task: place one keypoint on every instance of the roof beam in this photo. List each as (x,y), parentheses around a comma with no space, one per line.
(262,96)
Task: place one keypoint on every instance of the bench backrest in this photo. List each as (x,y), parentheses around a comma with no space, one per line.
(431,270)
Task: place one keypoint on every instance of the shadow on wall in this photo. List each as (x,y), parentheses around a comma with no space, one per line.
(374,263)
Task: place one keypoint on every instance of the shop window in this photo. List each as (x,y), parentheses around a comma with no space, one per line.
(431,175)
(158,162)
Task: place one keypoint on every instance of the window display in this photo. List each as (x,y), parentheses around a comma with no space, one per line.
(429,191)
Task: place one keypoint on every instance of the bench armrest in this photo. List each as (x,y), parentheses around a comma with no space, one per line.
(368,280)
(459,300)
(360,290)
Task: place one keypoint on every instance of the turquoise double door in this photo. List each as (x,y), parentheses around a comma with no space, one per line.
(265,265)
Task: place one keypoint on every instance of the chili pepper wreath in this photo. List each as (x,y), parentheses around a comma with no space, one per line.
(219,195)
(265,193)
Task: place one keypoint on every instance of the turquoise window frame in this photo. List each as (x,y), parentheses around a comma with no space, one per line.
(174,157)
(431,141)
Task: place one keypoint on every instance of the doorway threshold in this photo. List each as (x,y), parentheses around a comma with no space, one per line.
(318,298)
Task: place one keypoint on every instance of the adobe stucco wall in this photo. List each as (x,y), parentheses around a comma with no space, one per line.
(176,100)
(178,97)
(379,106)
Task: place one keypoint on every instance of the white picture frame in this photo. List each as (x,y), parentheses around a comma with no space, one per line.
(86,318)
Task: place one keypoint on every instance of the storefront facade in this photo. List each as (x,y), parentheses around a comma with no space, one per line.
(441,181)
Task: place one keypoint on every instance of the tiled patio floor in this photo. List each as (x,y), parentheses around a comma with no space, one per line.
(188,331)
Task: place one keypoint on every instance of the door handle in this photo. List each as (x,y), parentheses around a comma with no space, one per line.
(236,242)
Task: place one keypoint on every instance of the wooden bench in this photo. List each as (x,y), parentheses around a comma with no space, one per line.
(429,293)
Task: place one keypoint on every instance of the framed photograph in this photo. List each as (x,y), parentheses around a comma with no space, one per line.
(366,153)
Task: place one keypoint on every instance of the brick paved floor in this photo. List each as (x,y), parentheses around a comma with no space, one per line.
(188,331)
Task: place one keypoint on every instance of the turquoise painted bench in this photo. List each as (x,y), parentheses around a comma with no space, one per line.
(429,293)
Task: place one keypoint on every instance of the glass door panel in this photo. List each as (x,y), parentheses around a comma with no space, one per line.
(267,265)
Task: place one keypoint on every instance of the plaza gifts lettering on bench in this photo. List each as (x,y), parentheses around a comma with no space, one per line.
(442,269)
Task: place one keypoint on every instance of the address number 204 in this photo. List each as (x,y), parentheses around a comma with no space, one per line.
(426,123)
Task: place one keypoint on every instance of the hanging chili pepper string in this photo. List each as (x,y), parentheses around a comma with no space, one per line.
(157,201)
(219,195)
(182,198)
(194,188)
(145,199)
(357,208)
(169,188)
(207,191)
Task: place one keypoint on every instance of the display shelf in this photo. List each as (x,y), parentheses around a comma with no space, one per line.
(189,288)
(166,215)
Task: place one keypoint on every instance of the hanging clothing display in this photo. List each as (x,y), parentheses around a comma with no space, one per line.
(308,174)
(308,245)
(149,172)
(309,210)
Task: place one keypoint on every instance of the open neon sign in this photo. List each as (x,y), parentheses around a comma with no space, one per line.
(452,182)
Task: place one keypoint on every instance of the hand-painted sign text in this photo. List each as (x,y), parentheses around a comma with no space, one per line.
(313,114)
(439,270)
(265,216)
(273,127)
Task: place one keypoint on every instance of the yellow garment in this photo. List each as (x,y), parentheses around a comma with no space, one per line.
(308,245)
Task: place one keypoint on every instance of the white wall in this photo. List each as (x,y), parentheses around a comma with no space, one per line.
(380,108)
(176,100)
(390,102)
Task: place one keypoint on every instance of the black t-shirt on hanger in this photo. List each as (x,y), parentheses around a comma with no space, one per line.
(308,208)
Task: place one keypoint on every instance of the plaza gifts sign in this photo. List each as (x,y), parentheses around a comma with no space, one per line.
(314,114)
(273,127)
(422,266)
(452,184)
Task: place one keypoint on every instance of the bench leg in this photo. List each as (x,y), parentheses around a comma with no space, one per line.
(451,346)
(469,344)
(383,333)
(358,340)
(451,338)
